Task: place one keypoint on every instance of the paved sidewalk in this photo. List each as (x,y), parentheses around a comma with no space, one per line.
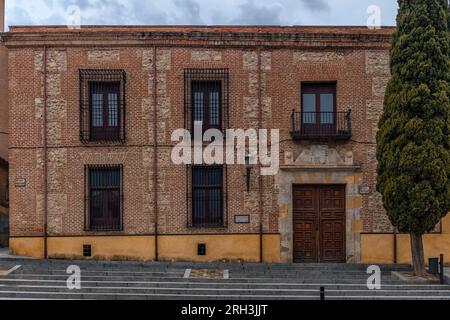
(4,254)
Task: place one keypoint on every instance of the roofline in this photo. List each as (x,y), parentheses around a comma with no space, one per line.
(214,36)
(201,26)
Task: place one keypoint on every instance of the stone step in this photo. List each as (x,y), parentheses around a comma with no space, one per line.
(159,266)
(281,273)
(226,291)
(176,274)
(191,295)
(130,276)
(171,277)
(181,271)
(223,284)
(38,279)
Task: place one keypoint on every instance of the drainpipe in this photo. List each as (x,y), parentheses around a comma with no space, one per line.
(395,245)
(45,154)
(261,210)
(155,149)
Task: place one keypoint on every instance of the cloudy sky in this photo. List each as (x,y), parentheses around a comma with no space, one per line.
(200,12)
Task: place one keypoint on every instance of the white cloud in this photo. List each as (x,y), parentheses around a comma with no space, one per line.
(251,13)
(316,5)
(162,12)
(190,9)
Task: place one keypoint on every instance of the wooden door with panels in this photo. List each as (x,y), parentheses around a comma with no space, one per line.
(319,223)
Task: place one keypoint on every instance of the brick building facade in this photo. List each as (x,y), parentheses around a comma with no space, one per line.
(94,110)
(3,136)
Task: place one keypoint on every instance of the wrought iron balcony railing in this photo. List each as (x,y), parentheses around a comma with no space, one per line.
(317,125)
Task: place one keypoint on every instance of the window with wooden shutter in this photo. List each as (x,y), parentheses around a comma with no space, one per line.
(104,198)
(206,98)
(207,196)
(102,105)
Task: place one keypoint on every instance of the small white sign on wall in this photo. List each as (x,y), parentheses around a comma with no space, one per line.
(20,182)
(242,218)
(364,190)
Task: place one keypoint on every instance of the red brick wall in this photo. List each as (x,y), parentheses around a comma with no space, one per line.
(361,74)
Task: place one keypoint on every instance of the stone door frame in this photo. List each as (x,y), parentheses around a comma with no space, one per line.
(350,176)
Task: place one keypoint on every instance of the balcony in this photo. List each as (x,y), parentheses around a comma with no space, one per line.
(321,125)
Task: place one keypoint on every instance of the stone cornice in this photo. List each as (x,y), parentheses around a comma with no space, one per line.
(320,167)
(319,37)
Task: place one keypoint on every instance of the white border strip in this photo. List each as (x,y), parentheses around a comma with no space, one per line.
(187,273)
(13,269)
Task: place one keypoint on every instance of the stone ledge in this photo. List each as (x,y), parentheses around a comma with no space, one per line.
(217,36)
(323,167)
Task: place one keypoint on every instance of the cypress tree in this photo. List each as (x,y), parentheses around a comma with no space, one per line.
(413,141)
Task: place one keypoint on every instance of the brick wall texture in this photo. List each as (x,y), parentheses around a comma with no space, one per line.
(265,78)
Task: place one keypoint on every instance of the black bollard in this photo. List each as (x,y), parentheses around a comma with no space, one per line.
(441,269)
(322,293)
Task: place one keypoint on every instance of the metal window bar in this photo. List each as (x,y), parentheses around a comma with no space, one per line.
(102,105)
(206,98)
(207,196)
(321,125)
(104,198)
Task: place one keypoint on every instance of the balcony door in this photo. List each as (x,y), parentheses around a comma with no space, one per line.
(319,109)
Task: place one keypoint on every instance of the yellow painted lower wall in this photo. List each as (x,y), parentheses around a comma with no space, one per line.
(379,248)
(170,248)
(27,247)
(375,248)
(103,248)
(433,245)
(219,248)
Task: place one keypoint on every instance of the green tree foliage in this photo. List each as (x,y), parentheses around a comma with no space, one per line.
(414,131)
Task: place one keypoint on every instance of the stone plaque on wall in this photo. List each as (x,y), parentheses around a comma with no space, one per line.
(20,182)
(242,218)
(364,190)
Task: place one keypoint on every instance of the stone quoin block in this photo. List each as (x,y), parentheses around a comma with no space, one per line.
(103,56)
(206,55)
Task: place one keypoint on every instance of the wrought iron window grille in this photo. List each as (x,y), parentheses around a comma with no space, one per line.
(206,97)
(102,105)
(104,198)
(207,196)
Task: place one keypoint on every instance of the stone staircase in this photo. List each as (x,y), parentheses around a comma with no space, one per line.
(37,279)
